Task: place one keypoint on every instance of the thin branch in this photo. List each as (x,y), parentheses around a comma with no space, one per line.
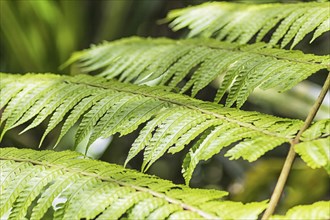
(291,155)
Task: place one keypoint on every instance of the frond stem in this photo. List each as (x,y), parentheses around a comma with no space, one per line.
(291,155)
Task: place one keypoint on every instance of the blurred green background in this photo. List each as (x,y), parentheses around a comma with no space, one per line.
(40,35)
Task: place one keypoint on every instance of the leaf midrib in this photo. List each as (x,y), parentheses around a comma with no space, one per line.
(240,48)
(220,45)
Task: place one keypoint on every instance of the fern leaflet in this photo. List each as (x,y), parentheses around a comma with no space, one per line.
(74,187)
(235,22)
(314,149)
(318,129)
(317,210)
(315,153)
(242,68)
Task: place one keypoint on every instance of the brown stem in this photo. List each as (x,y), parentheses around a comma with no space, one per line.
(291,155)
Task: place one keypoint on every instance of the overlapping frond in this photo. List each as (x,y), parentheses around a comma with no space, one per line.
(318,210)
(319,129)
(73,187)
(315,149)
(315,153)
(193,64)
(171,121)
(234,22)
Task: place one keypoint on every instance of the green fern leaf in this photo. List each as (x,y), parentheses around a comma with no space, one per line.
(119,208)
(146,134)
(192,134)
(247,211)
(86,189)
(39,104)
(8,92)
(324,27)
(315,211)
(314,149)
(168,62)
(92,116)
(10,194)
(183,215)
(31,191)
(172,121)
(144,208)
(119,106)
(64,108)
(78,110)
(101,199)
(76,193)
(315,20)
(53,104)
(166,135)
(284,26)
(164,211)
(47,198)
(13,113)
(315,153)
(234,22)
(318,129)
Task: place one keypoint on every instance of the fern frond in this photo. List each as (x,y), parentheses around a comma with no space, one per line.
(235,22)
(315,148)
(168,62)
(171,120)
(315,153)
(88,189)
(318,129)
(316,211)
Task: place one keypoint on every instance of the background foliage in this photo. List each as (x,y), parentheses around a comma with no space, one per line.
(38,36)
